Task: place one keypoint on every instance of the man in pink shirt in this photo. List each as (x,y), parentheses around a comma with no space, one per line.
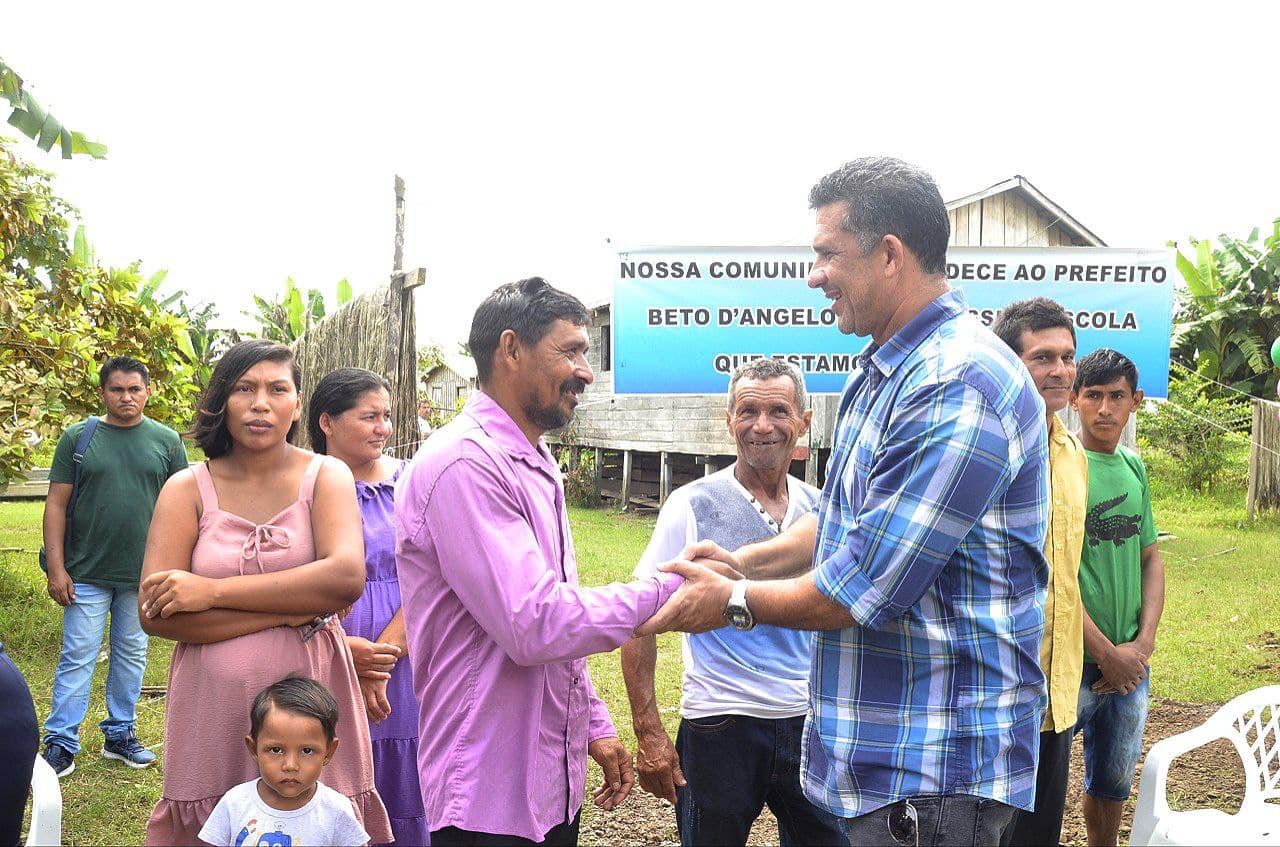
(497,625)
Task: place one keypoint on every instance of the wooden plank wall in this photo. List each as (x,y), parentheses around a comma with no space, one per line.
(449,382)
(1006,220)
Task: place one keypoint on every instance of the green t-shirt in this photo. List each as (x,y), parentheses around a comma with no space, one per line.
(120,478)
(1117,526)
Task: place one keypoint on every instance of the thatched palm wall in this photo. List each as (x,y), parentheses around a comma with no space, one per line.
(373,331)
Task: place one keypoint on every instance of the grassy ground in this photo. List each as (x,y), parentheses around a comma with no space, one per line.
(104,802)
(1217,638)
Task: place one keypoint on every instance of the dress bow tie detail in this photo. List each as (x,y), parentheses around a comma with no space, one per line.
(276,536)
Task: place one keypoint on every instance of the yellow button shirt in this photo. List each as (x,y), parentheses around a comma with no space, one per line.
(1062,651)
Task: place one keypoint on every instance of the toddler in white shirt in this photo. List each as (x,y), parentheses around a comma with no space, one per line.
(291,737)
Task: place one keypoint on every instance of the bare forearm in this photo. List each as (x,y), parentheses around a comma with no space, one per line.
(796,604)
(639,659)
(211,626)
(1152,597)
(54,532)
(1096,644)
(317,588)
(394,633)
(787,555)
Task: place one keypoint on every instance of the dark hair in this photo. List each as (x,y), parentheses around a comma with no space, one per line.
(528,307)
(337,392)
(209,429)
(769,369)
(1033,315)
(1103,366)
(297,695)
(885,196)
(122,363)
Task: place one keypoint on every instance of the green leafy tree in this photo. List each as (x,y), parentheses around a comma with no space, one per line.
(1226,320)
(37,124)
(62,315)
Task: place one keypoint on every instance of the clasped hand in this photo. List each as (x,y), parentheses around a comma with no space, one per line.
(699,603)
(166,593)
(1123,670)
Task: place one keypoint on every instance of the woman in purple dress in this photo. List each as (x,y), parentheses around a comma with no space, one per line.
(349,418)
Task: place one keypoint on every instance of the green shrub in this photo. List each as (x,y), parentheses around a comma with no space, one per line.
(579,480)
(1205,440)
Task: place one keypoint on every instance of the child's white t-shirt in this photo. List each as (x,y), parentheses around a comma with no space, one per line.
(242,819)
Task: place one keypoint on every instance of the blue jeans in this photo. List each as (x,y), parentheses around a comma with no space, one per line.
(1112,725)
(83,624)
(735,765)
(934,820)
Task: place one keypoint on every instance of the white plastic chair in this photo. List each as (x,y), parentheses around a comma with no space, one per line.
(46,806)
(1250,723)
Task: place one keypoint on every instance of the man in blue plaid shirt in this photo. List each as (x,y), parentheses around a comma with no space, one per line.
(923,568)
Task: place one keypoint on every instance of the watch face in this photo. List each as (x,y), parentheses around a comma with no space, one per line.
(738,617)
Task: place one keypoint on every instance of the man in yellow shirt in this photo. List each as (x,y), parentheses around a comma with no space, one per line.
(1040,331)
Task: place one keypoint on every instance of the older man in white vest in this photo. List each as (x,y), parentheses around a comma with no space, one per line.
(745,693)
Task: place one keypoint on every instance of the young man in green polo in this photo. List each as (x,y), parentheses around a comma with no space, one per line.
(94,558)
(1122,587)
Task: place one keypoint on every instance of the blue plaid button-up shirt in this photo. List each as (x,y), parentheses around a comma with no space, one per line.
(930,532)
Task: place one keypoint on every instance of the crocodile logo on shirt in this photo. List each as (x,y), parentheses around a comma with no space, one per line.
(1117,528)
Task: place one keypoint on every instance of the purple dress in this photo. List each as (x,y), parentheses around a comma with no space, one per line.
(395,740)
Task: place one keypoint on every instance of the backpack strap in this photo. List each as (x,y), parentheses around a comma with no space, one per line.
(77,459)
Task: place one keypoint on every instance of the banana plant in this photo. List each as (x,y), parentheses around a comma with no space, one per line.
(288,318)
(30,118)
(1226,320)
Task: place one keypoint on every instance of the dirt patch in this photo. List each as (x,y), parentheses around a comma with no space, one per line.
(1267,647)
(1209,776)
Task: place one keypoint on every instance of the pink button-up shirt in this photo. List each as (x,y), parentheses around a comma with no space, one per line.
(498,628)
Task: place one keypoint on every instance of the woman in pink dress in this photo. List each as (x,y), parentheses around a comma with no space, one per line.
(245,551)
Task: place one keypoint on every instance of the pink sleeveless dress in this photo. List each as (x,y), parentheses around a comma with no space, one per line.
(211,686)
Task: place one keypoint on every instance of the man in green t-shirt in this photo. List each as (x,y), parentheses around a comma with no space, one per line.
(95,561)
(1122,588)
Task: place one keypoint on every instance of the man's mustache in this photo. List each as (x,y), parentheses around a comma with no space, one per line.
(574,385)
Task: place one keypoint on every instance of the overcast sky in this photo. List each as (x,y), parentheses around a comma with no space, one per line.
(253,141)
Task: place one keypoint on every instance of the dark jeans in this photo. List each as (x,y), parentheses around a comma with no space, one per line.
(735,766)
(953,819)
(560,835)
(1044,825)
(19,743)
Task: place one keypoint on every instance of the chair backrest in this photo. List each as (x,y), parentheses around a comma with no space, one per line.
(1255,731)
(46,806)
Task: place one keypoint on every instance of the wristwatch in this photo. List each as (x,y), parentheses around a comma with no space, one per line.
(736,614)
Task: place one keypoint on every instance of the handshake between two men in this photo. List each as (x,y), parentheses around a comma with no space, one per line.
(778,587)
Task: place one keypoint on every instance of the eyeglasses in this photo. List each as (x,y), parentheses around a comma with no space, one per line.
(904,824)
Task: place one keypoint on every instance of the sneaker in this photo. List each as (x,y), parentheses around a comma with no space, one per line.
(127,749)
(60,759)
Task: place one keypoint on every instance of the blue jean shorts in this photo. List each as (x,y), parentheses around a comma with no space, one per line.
(1112,725)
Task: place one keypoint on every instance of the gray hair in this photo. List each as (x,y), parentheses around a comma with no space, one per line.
(769,369)
(885,196)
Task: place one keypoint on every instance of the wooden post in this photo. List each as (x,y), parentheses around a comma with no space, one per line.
(1250,496)
(664,477)
(708,466)
(595,473)
(402,343)
(811,467)
(626,480)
